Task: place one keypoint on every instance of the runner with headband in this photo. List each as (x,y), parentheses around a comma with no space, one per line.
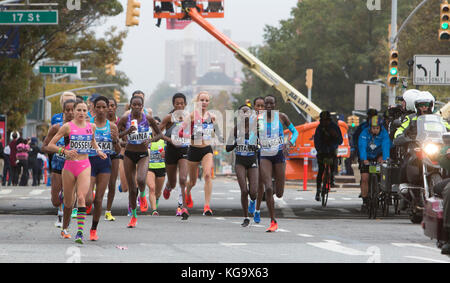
(79,140)
(136,128)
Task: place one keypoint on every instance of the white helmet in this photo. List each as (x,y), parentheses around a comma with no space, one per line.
(425,97)
(409,97)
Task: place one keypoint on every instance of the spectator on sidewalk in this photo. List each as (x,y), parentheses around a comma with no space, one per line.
(1,156)
(33,161)
(6,167)
(22,156)
(41,160)
(12,159)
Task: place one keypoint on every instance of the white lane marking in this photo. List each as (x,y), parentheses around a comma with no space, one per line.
(220,218)
(427,259)
(232,244)
(331,198)
(299,198)
(5,192)
(343,210)
(257,225)
(218,193)
(402,245)
(347,198)
(305,235)
(230,198)
(283,230)
(36,192)
(336,247)
(234,191)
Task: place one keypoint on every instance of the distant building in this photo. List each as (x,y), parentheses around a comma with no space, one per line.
(215,81)
(180,66)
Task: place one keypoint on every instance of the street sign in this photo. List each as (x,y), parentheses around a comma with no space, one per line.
(29,17)
(58,69)
(431,70)
(367,96)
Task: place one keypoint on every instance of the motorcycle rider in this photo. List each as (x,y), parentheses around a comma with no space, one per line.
(374,145)
(410,169)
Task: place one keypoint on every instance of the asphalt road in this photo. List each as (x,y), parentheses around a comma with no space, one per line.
(308,232)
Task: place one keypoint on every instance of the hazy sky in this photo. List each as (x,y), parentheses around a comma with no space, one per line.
(143,51)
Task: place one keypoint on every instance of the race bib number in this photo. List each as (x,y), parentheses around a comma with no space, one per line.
(271,143)
(139,137)
(81,143)
(155,157)
(181,142)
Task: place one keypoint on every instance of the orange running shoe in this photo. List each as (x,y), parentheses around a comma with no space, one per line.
(65,234)
(93,235)
(273,226)
(185,214)
(132,223)
(189,201)
(144,204)
(207,211)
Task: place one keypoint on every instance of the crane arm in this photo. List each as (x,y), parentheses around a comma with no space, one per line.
(288,92)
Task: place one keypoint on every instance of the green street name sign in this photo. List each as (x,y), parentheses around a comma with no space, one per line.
(58,69)
(29,17)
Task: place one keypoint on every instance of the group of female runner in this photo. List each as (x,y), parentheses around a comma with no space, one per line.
(91,150)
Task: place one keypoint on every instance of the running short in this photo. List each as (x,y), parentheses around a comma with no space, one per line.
(135,156)
(57,165)
(247,161)
(100,166)
(196,154)
(278,158)
(173,154)
(160,172)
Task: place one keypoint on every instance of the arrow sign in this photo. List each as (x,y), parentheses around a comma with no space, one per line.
(436,70)
(437,66)
(421,67)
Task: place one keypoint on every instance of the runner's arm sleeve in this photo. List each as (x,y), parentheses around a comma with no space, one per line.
(294,133)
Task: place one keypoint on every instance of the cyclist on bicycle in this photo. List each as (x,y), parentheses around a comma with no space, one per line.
(327,138)
(374,145)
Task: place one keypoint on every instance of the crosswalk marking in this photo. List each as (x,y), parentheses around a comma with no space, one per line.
(5,192)
(36,192)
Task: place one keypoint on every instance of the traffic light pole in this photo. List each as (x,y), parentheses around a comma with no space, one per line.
(393,45)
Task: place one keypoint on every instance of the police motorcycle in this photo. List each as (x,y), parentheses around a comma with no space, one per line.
(433,216)
(426,147)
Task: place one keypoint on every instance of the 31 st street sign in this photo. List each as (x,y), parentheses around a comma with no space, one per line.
(29,17)
(431,70)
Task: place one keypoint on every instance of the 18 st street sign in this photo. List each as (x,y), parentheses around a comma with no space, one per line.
(431,70)
(29,17)
(58,69)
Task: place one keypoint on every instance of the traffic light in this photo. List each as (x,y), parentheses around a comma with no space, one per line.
(444,28)
(117,95)
(133,13)
(393,76)
(353,121)
(110,69)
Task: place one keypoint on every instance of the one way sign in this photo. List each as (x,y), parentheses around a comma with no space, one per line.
(431,70)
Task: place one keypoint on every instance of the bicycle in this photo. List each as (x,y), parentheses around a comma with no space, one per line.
(326,181)
(374,192)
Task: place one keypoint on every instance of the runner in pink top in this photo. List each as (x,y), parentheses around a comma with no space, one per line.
(79,140)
